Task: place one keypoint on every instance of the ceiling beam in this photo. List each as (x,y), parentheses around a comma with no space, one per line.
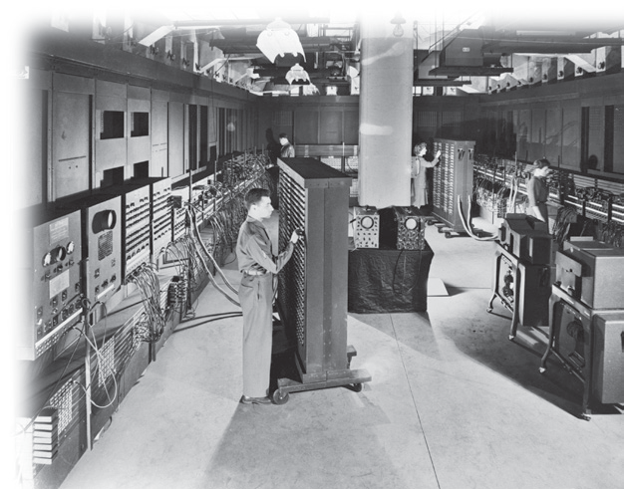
(554,45)
(240,46)
(437,82)
(198,24)
(469,71)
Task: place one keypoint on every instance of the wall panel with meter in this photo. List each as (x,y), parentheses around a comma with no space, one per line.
(103,244)
(54,288)
(101,228)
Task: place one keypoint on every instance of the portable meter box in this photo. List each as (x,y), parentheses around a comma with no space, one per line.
(591,271)
(402,228)
(366,229)
(527,238)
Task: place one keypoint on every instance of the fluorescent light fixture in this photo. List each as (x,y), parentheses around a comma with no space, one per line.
(278,39)
(297,73)
(157,35)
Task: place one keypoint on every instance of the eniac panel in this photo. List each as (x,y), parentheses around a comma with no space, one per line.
(101,228)
(313,285)
(54,289)
(452,178)
(135,224)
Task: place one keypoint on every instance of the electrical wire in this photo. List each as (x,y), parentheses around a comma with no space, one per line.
(54,389)
(465,224)
(113,372)
(223,316)
(217,268)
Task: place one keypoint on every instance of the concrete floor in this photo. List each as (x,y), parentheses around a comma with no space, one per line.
(453,404)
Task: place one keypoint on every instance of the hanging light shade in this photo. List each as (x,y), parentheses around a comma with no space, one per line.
(278,39)
(297,73)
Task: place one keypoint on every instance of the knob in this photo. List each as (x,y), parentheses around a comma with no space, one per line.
(58,254)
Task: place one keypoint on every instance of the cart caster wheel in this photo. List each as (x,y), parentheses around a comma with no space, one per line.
(511,337)
(585,417)
(357,387)
(542,370)
(447,235)
(489,309)
(279,397)
(440,230)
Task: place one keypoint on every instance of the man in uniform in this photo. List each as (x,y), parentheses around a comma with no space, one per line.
(258,265)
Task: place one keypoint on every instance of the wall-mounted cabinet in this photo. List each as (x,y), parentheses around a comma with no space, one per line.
(139,137)
(71,135)
(111,107)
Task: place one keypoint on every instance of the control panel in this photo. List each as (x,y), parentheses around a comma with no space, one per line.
(101,220)
(54,292)
(161,215)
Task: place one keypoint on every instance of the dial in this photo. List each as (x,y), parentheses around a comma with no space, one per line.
(410,223)
(367,222)
(59,254)
(70,247)
(103,221)
(47,259)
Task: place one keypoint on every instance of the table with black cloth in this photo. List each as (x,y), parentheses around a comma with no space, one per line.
(388,280)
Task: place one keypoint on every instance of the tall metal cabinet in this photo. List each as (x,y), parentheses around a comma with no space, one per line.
(312,293)
(452,179)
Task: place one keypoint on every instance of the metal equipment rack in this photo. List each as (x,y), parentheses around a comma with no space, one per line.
(586,318)
(523,271)
(312,293)
(598,334)
(452,179)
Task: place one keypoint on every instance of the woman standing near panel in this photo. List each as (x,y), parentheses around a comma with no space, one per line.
(419,174)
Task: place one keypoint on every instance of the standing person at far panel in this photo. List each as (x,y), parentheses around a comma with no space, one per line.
(537,189)
(419,174)
(258,265)
(288,150)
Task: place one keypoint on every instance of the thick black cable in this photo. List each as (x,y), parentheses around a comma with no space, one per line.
(465,224)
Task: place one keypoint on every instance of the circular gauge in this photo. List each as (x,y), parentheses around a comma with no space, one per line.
(59,254)
(410,223)
(70,247)
(47,259)
(103,221)
(367,222)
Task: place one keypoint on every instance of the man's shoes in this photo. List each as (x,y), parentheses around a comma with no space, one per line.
(255,400)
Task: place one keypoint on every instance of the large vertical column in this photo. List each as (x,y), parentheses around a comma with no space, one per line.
(385,112)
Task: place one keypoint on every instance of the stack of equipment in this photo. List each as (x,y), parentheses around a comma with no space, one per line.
(586,309)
